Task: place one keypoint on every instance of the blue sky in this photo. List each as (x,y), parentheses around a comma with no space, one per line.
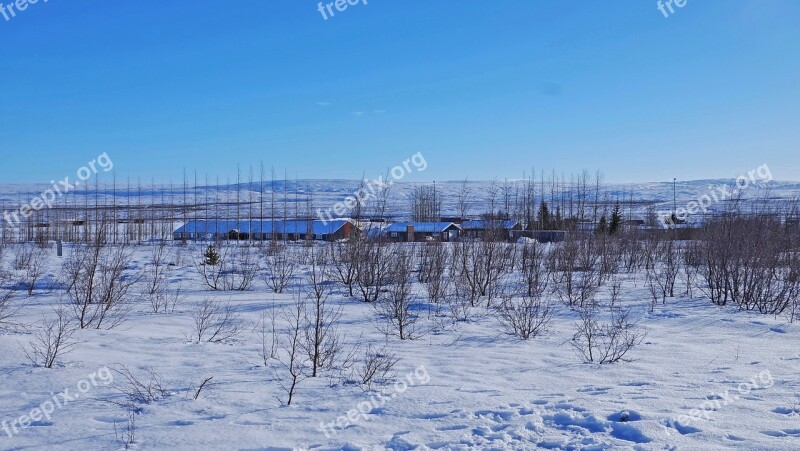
(483,89)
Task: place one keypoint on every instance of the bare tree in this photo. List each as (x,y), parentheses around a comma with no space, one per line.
(376,368)
(434,260)
(293,360)
(343,258)
(268,336)
(8,289)
(602,343)
(426,205)
(52,340)
(215,323)
(525,317)
(394,308)
(322,341)
(97,284)
(575,273)
(280,269)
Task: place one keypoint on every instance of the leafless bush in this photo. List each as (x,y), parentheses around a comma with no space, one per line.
(605,342)
(663,272)
(692,255)
(322,342)
(481,265)
(292,359)
(98,283)
(376,368)
(157,268)
(280,269)
(747,261)
(268,336)
(215,323)
(343,258)
(394,307)
(126,435)
(372,268)
(434,260)
(52,340)
(525,317)
(23,256)
(615,290)
(535,270)
(141,390)
(164,300)
(234,268)
(8,289)
(575,273)
(31,261)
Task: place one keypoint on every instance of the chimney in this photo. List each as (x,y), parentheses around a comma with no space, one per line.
(410,233)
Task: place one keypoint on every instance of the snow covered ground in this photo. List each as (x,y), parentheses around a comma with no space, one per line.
(470,386)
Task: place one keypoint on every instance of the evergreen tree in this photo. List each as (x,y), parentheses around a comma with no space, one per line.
(616,220)
(602,226)
(211,256)
(544,216)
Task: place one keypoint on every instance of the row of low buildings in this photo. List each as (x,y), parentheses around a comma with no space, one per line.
(295,230)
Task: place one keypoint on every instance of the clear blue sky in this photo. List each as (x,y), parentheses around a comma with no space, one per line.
(483,89)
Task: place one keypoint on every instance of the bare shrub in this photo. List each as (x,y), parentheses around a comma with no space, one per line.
(575,273)
(372,268)
(126,434)
(322,341)
(231,267)
(97,284)
(481,266)
(525,317)
(395,306)
(157,268)
(293,361)
(268,336)
(747,261)
(164,300)
(215,323)
(343,258)
(434,260)
(376,368)
(32,262)
(8,289)
(602,343)
(140,390)
(52,340)
(280,269)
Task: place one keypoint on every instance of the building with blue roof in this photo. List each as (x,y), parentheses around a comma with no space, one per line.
(291,230)
(422,231)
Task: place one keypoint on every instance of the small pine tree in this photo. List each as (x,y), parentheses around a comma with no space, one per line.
(211,256)
(616,220)
(602,226)
(544,216)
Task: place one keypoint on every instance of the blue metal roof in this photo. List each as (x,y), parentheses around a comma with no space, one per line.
(483,225)
(257,226)
(420,227)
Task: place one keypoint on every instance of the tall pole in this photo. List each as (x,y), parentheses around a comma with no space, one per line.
(674,201)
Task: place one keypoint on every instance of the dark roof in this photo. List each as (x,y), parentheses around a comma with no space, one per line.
(485,225)
(421,227)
